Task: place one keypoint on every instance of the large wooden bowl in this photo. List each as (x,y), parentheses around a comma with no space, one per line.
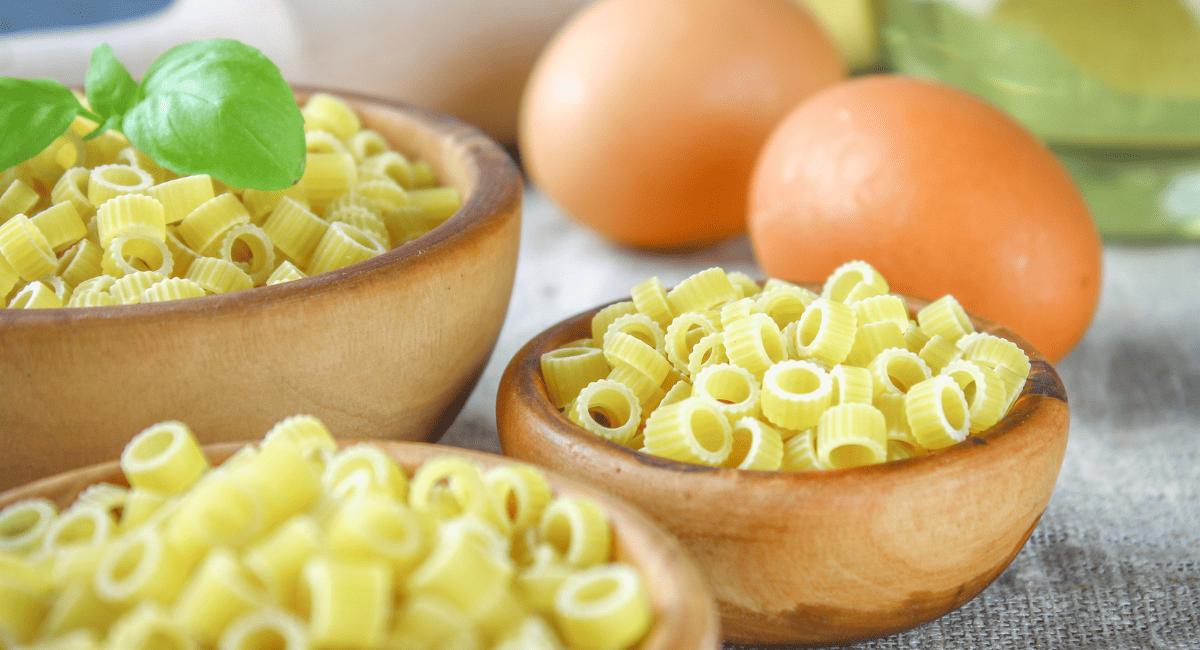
(387,348)
(685,617)
(824,556)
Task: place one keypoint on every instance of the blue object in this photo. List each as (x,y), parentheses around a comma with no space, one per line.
(41,15)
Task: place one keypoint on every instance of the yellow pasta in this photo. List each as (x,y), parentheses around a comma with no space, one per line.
(756,445)
(70,188)
(260,203)
(363,219)
(388,164)
(216,275)
(744,283)
(938,352)
(182,255)
(784,304)
(708,351)
(135,158)
(35,295)
(23,525)
(578,530)
(285,272)
(18,198)
(800,452)
(602,608)
(220,591)
(896,370)
(704,290)
(639,326)
(319,141)
(25,249)
(128,290)
(250,248)
(521,490)
(851,385)
(605,317)
(895,419)
(621,349)
(650,299)
(946,317)
(684,332)
(267,629)
(915,339)
(846,278)
(350,603)
(826,332)
(451,486)
(566,371)
(692,430)
(795,394)
(427,622)
(139,566)
(218,510)
(754,343)
(278,559)
(851,435)
(326,112)
(937,412)
(108,181)
(733,388)
(204,228)
(8,277)
(366,143)
(389,196)
(371,525)
(130,252)
(295,230)
(648,393)
(327,176)
(738,309)
(460,569)
(149,627)
(342,245)
(873,338)
(164,457)
(436,203)
(61,225)
(79,262)
(182,195)
(609,409)
(984,390)
(363,467)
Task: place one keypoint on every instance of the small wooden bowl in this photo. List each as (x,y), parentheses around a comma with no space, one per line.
(685,616)
(387,348)
(825,556)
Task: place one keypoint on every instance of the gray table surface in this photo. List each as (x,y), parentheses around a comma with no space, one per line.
(1115,561)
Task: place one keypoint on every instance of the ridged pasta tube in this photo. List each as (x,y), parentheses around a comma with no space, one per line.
(329,113)
(216,511)
(342,246)
(851,385)
(390,197)
(130,252)
(684,332)
(204,228)
(108,181)
(268,629)
(260,203)
(128,289)
(18,198)
(693,430)
(133,215)
(328,176)
(522,492)
(602,608)
(387,164)
(756,445)
(743,283)
(25,249)
(784,304)
(733,388)
(321,141)
(364,220)
(851,435)
(896,370)
(622,349)
(578,530)
(182,255)
(795,393)
(274,465)
(23,525)
(640,327)
(285,272)
(139,566)
(754,343)
(427,622)
(218,592)
(938,352)
(605,317)
(460,569)
(250,248)
(164,457)
(182,195)
(80,262)
(996,352)
(984,390)
(277,559)
(80,525)
(946,317)
(873,338)
(650,299)
(800,452)
(937,412)
(8,277)
(895,417)
(609,409)
(307,433)
(364,467)
(449,486)
(437,204)
(566,371)
(77,610)
(846,277)
(372,526)
(35,295)
(708,351)
(61,225)
(826,332)
(216,275)
(366,143)
(737,310)
(350,602)
(914,338)
(92,299)
(148,626)
(295,230)
(702,291)
(880,308)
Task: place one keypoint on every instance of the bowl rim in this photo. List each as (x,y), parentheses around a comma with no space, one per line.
(523,377)
(497,186)
(695,621)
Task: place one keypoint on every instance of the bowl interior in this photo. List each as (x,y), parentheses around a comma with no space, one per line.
(684,614)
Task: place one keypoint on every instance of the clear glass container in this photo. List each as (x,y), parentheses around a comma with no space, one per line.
(1112,87)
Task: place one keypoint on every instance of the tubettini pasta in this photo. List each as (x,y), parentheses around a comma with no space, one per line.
(293,544)
(82,210)
(724,372)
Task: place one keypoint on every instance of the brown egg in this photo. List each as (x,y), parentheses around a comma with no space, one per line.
(643,118)
(941,193)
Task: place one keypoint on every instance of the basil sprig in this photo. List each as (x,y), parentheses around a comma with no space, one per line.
(216,107)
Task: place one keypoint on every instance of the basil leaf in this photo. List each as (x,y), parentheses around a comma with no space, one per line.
(222,108)
(33,112)
(110,89)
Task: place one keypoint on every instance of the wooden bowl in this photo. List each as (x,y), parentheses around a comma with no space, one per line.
(684,612)
(387,348)
(824,556)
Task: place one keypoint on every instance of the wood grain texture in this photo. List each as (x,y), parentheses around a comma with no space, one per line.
(684,612)
(387,348)
(821,557)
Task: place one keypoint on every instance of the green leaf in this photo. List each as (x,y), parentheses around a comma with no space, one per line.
(33,112)
(110,89)
(222,108)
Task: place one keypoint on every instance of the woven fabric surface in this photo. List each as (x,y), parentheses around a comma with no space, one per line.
(1115,560)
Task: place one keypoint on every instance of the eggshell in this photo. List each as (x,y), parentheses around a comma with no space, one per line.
(643,118)
(942,193)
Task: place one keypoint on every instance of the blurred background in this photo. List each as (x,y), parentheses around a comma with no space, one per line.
(1113,87)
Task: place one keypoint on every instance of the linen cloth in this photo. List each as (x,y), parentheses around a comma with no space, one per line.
(1114,563)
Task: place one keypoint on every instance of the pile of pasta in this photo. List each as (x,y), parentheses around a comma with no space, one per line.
(97,222)
(719,371)
(295,544)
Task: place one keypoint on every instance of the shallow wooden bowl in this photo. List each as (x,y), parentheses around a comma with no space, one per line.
(826,556)
(387,348)
(685,616)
